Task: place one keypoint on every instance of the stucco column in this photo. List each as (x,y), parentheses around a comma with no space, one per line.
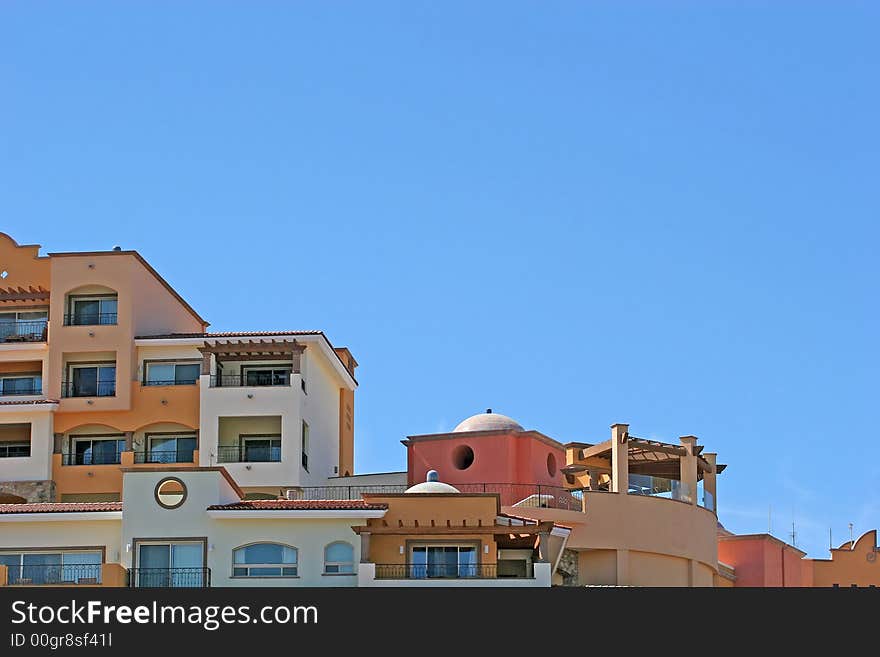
(620,458)
(622,567)
(543,547)
(688,468)
(365,547)
(710,481)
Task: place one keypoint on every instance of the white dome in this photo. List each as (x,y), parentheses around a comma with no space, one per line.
(488,421)
(432,485)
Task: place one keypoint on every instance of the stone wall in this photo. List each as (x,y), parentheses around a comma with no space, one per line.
(568,567)
(31,491)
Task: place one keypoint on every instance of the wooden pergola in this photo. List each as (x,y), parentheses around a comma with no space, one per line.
(251,350)
(20,294)
(646,457)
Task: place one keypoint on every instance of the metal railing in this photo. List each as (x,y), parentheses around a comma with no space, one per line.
(101,458)
(24,331)
(32,390)
(242,381)
(242,454)
(164,456)
(437,571)
(99,389)
(522,495)
(90,319)
(169,578)
(53,574)
(341,492)
(171,382)
(670,489)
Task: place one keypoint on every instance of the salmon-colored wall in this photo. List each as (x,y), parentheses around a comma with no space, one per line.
(859,566)
(762,560)
(24,267)
(508,458)
(385,549)
(27,366)
(181,407)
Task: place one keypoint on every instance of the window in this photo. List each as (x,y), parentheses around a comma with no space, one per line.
(264,560)
(96,450)
(266,376)
(91,380)
(171,374)
(165,448)
(260,448)
(305,446)
(21,384)
(170,493)
(23,326)
(177,565)
(338,559)
(92,310)
(428,561)
(13,450)
(52,567)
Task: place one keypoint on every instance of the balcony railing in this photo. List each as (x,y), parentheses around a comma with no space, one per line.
(164,456)
(242,454)
(671,489)
(437,571)
(87,458)
(169,578)
(90,319)
(243,380)
(24,331)
(53,575)
(21,391)
(100,389)
(171,382)
(523,495)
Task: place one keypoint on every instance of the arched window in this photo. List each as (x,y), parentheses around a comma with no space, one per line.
(264,560)
(338,559)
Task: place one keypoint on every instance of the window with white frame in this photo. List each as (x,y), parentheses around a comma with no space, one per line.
(339,558)
(90,310)
(265,560)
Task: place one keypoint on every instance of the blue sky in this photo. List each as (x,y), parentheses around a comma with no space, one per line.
(576,213)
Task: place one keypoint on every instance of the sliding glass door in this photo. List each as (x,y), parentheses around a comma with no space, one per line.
(173,564)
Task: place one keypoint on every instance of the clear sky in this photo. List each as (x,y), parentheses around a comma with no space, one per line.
(575,213)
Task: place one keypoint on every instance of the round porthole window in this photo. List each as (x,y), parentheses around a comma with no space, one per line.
(170,493)
(462,457)
(551,465)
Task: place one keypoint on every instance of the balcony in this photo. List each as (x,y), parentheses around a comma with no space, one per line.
(437,571)
(251,379)
(88,389)
(519,495)
(54,575)
(24,331)
(21,390)
(169,578)
(249,454)
(89,458)
(165,456)
(90,319)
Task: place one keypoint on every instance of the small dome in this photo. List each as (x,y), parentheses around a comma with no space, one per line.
(432,484)
(488,421)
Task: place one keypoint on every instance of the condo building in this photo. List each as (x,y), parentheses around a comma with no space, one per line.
(139,449)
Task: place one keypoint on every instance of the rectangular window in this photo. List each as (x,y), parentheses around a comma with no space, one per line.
(91,310)
(178,565)
(52,568)
(21,384)
(91,380)
(171,374)
(260,448)
(305,446)
(162,448)
(266,376)
(443,561)
(96,450)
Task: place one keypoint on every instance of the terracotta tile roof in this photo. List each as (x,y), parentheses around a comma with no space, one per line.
(19,402)
(299,505)
(61,507)
(228,334)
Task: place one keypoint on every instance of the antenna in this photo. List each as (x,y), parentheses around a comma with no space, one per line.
(830,540)
(769,519)
(793,535)
(851,539)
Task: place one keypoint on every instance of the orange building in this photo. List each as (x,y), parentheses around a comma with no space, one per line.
(104,366)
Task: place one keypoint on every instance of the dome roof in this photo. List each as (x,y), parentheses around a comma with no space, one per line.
(488,421)
(432,484)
